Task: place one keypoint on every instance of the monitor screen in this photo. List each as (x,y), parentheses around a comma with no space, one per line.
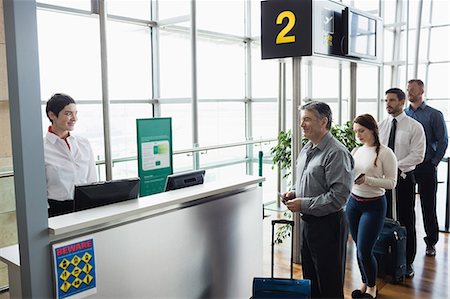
(97,194)
(184,179)
(360,34)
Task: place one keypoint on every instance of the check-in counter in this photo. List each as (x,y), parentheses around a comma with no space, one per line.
(204,241)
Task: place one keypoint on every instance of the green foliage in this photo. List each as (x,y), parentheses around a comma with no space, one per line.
(282,152)
(345,135)
(282,157)
(283,231)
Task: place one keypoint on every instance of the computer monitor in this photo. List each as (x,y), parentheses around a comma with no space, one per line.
(184,179)
(97,194)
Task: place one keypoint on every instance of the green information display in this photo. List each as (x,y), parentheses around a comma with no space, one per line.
(154,143)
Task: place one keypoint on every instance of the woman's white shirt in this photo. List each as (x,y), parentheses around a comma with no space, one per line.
(377,178)
(64,167)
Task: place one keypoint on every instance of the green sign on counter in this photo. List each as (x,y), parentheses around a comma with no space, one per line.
(154,143)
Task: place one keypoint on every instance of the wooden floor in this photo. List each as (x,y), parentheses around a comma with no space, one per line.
(431,279)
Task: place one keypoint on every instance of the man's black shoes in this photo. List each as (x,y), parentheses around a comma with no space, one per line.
(409,271)
(431,250)
(357,294)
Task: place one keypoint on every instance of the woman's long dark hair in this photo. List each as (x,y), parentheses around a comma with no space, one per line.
(368,122)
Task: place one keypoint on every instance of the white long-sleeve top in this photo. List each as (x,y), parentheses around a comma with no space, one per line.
(377,178)
(410,143)
(66,167)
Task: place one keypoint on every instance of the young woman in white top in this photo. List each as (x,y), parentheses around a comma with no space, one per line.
(69,160)
(376,170)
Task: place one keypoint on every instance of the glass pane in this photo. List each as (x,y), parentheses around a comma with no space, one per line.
(265,120)
(387,69)
(256,17)
(173,8)
(183,162)
(413,13)
(213,157)
(175,54)
(438,84)
(264,75)
(138,9)
(321,74)
(366,107)
(7,196)
(221,123)
(440,44)
(440,11)
(181,124)
(367,82)
(78,4)
(388,45)
(389,12)
(123,170)
(129,57)
(220,69)
(221,16)
(270,184)
(123,127)
(225,172)
(426,11)
(370,6)
(69,55)
(423,45)
(442,106)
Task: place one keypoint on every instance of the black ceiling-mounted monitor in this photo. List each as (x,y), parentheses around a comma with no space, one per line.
(360,34)
(184,179)
(97,194)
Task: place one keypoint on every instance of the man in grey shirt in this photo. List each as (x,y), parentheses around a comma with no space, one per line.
(324,181)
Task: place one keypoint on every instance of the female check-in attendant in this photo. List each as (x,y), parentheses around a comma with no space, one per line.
(69,159)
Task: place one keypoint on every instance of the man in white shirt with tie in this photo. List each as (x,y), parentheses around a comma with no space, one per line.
(406,137)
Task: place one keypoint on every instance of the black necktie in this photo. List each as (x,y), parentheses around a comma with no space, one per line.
(391,142)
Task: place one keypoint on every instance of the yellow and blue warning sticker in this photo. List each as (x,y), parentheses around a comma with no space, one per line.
(74,263)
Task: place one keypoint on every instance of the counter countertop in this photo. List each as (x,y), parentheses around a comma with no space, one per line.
(10,255)
(144,206)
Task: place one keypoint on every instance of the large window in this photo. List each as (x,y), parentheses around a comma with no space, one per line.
(150,71)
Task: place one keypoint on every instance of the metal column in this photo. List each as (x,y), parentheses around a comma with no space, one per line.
(195,155)
(27,144)
(417,45)
(105,90)
(248,88)
(156,77)
(281,117)
(296,145)
(352,99)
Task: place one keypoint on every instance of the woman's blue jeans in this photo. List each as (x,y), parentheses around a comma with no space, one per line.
(366,221)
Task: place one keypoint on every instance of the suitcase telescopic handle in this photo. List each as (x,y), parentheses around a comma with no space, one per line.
(291,223)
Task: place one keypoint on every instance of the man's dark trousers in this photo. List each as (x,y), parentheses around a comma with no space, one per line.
(426,177)
(323,252)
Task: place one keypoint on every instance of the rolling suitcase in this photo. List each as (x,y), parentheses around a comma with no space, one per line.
(281,287)
(390,248)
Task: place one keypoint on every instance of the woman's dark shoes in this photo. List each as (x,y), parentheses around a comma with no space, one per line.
(365,295)
(357,294)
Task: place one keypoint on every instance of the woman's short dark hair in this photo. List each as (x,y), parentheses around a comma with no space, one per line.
(57,103)
(320,109)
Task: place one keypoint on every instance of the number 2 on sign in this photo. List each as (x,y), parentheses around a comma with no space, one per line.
(282,37)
